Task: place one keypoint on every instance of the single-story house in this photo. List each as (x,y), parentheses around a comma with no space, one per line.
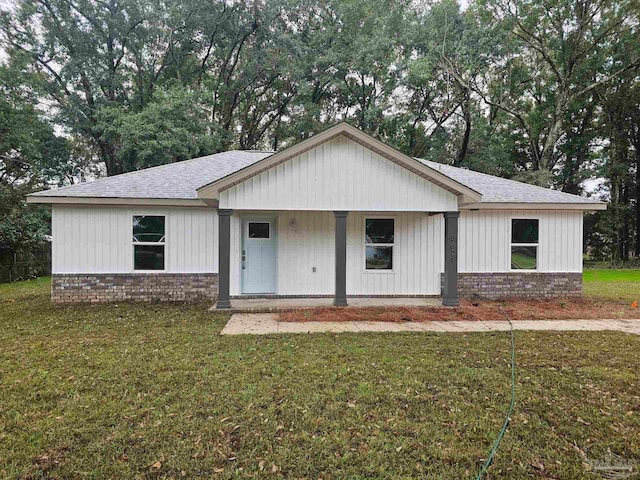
(337,215)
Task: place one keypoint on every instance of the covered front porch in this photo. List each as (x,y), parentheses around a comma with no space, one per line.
(339,214)
(274,260)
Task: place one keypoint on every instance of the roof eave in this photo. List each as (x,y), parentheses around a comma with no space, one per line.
(164,202)
(584,206)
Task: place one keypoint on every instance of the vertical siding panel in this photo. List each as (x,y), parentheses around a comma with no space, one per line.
(73,241)
(573,241)
(66,263)
(309,196)
(195,264)
(83,226)
(122,239)
(548,253)
(579,219)
(98,239)
(350,149)
(71,253)
(214,232)
(108,239)
(475,236)
(57,238)
(368,174)
(234,260)
(91,237)
(271,184)
(212,243)
(495,242)
(485,242)
(564,219)
(360,184)
(551,248)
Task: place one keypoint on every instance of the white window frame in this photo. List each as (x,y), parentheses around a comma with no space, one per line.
(393,245)
(511,244)
(156,244)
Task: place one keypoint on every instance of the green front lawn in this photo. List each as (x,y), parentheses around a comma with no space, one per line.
(152,391)
(610,284)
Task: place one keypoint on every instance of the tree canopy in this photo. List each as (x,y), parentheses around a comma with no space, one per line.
(545,92)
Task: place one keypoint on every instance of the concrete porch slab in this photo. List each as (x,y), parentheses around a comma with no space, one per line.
(267,305)
(268,323)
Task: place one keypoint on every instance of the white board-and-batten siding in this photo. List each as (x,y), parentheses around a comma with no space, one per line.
(306,254)
(339,175)
(98,239)
(485,240)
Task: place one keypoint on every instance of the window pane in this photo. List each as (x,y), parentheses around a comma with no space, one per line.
(148,257)
(524,258)
(524,231)
(258,230)
(148,228)
(379,258)
(379,230)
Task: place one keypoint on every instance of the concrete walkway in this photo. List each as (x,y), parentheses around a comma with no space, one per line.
(267,323)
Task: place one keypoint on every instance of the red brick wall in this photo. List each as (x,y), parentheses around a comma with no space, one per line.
(517,284)
(147,287)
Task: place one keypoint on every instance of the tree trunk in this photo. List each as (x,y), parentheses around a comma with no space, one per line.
(546,159)
(626,222)
(637,252)
(466,113)
(110,159)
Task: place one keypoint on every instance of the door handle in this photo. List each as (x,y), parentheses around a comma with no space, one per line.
(244,259)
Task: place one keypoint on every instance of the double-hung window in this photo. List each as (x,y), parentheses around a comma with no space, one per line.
(378,243)
(148,242)
(524,243)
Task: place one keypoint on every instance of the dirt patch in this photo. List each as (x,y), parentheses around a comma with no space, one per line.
(517,309)
(46,462)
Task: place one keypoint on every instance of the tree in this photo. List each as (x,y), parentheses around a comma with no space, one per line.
(26,139)
(552,58)
(440,78)
(173,126)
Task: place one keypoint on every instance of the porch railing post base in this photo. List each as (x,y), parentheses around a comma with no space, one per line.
(340,303)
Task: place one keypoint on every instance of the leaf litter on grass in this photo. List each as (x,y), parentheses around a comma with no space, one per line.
(473,310)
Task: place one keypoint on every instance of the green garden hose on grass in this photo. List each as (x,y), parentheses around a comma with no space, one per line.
(507,420)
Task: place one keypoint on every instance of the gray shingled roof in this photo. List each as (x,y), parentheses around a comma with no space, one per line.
(502,190)
(178,180)
(181,180)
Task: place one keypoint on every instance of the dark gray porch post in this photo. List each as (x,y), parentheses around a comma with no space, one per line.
(450,287)
(340,299)
(224,251)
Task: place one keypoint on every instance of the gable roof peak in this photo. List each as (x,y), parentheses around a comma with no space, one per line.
(467,194)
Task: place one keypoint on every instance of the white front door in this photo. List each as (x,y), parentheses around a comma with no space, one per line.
(258,256)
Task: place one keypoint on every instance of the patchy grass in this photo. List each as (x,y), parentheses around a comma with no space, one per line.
(613,285)
(152,391)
